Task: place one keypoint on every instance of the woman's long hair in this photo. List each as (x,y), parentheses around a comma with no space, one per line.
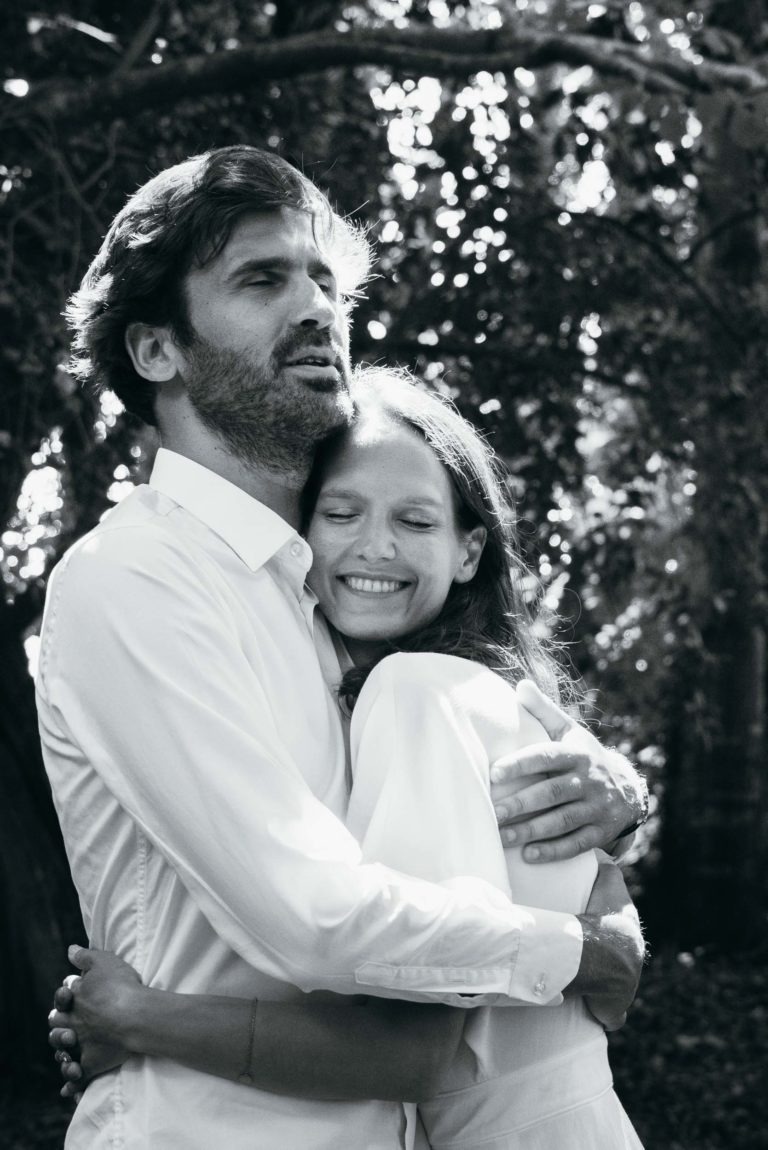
(487,619)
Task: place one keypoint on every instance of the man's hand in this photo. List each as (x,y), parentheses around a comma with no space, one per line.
(614,950)
(90,1018)
(589,797)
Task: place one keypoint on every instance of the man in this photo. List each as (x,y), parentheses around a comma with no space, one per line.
(193,745)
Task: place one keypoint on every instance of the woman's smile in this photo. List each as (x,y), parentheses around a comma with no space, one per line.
(372,585)
(385,536)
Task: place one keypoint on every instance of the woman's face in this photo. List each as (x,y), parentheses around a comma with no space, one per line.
(385,537)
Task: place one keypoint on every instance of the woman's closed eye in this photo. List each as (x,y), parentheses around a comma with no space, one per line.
(342,516)
(417,524)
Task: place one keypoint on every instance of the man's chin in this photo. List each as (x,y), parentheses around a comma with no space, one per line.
(341,408)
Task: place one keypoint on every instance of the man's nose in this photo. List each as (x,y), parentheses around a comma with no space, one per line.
(315,308)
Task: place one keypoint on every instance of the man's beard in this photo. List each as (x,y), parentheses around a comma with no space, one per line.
(265,422)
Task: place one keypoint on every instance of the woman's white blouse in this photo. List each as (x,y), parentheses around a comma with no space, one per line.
(424,733)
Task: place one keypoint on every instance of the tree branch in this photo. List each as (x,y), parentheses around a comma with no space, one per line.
(145,35)
(433,51)
(728,323)
(719,229)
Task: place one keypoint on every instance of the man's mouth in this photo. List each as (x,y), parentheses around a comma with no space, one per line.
(315,356)
(311,361)
(315,370)
(373,586)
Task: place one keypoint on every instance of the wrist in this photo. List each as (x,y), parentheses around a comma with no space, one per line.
(612,953)
(591,973)
(634,790)
(140,1014)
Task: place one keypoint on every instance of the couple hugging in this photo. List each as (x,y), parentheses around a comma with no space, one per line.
(287,691)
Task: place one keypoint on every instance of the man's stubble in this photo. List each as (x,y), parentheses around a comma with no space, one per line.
(266,420)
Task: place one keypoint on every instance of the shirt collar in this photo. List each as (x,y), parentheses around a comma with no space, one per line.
(250,528)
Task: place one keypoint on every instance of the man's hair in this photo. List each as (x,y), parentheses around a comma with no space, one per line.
(487,619)
(182,218)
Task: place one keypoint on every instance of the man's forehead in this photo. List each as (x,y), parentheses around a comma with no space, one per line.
(285,233)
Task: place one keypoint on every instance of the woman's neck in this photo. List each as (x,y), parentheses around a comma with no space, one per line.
(364,652)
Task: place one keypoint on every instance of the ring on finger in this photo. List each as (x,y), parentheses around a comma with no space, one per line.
(62,1056)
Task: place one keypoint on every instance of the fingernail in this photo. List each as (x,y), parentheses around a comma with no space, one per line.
(496,774)
(510,835)
(533,853)
(501,814)
(72,951)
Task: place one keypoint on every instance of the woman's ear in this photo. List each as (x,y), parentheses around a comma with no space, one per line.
(153,352)
(474,542)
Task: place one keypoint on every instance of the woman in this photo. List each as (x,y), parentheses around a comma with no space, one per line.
(416,570)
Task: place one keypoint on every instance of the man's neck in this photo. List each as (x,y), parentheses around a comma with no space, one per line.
(278,490)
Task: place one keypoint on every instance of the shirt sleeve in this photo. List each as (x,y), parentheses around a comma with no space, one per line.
(421,803)
(142,668)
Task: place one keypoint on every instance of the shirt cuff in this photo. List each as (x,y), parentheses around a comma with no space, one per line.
(548,958)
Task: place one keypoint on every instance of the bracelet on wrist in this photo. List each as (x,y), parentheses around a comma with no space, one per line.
(245,1078)
(645,801)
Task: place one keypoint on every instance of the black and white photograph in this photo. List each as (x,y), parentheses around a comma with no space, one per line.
(384,555)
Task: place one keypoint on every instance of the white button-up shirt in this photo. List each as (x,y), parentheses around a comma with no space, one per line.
(197,763)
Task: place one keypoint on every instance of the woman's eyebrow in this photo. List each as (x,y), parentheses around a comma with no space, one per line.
(408,500)
(423,501)
(337,493)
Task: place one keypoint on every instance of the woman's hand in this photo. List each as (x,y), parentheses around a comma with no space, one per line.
(90,1022)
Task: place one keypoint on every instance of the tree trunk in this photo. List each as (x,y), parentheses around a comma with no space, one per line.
(715,844)
(38,904)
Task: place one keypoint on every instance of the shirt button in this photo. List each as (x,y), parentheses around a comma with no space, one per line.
(296,550)
(540,986)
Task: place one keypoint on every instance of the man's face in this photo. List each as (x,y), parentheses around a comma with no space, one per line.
(269,367)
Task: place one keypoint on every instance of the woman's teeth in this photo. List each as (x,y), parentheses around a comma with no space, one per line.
(373,586)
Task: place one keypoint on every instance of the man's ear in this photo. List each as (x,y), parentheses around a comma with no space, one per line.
(153,352)
(474,543)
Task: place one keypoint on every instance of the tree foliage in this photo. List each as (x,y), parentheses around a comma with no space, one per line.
(570,210)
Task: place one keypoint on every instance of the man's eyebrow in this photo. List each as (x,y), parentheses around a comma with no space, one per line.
(275,263)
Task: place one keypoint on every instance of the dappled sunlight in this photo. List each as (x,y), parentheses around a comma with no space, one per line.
(568,205)
(28,543)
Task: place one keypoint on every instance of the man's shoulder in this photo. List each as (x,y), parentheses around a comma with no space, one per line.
(138,543)
(138,527)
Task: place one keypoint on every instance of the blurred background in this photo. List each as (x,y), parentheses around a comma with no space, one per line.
(568,201)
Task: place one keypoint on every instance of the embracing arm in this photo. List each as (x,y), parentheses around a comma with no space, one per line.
(330,1050)
(166,707)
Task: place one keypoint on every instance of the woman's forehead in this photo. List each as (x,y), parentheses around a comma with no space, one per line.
(382,447)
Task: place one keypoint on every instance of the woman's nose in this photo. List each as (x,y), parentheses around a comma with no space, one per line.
(376,543)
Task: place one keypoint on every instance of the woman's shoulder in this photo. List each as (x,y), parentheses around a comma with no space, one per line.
(428,680)
(426,674)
